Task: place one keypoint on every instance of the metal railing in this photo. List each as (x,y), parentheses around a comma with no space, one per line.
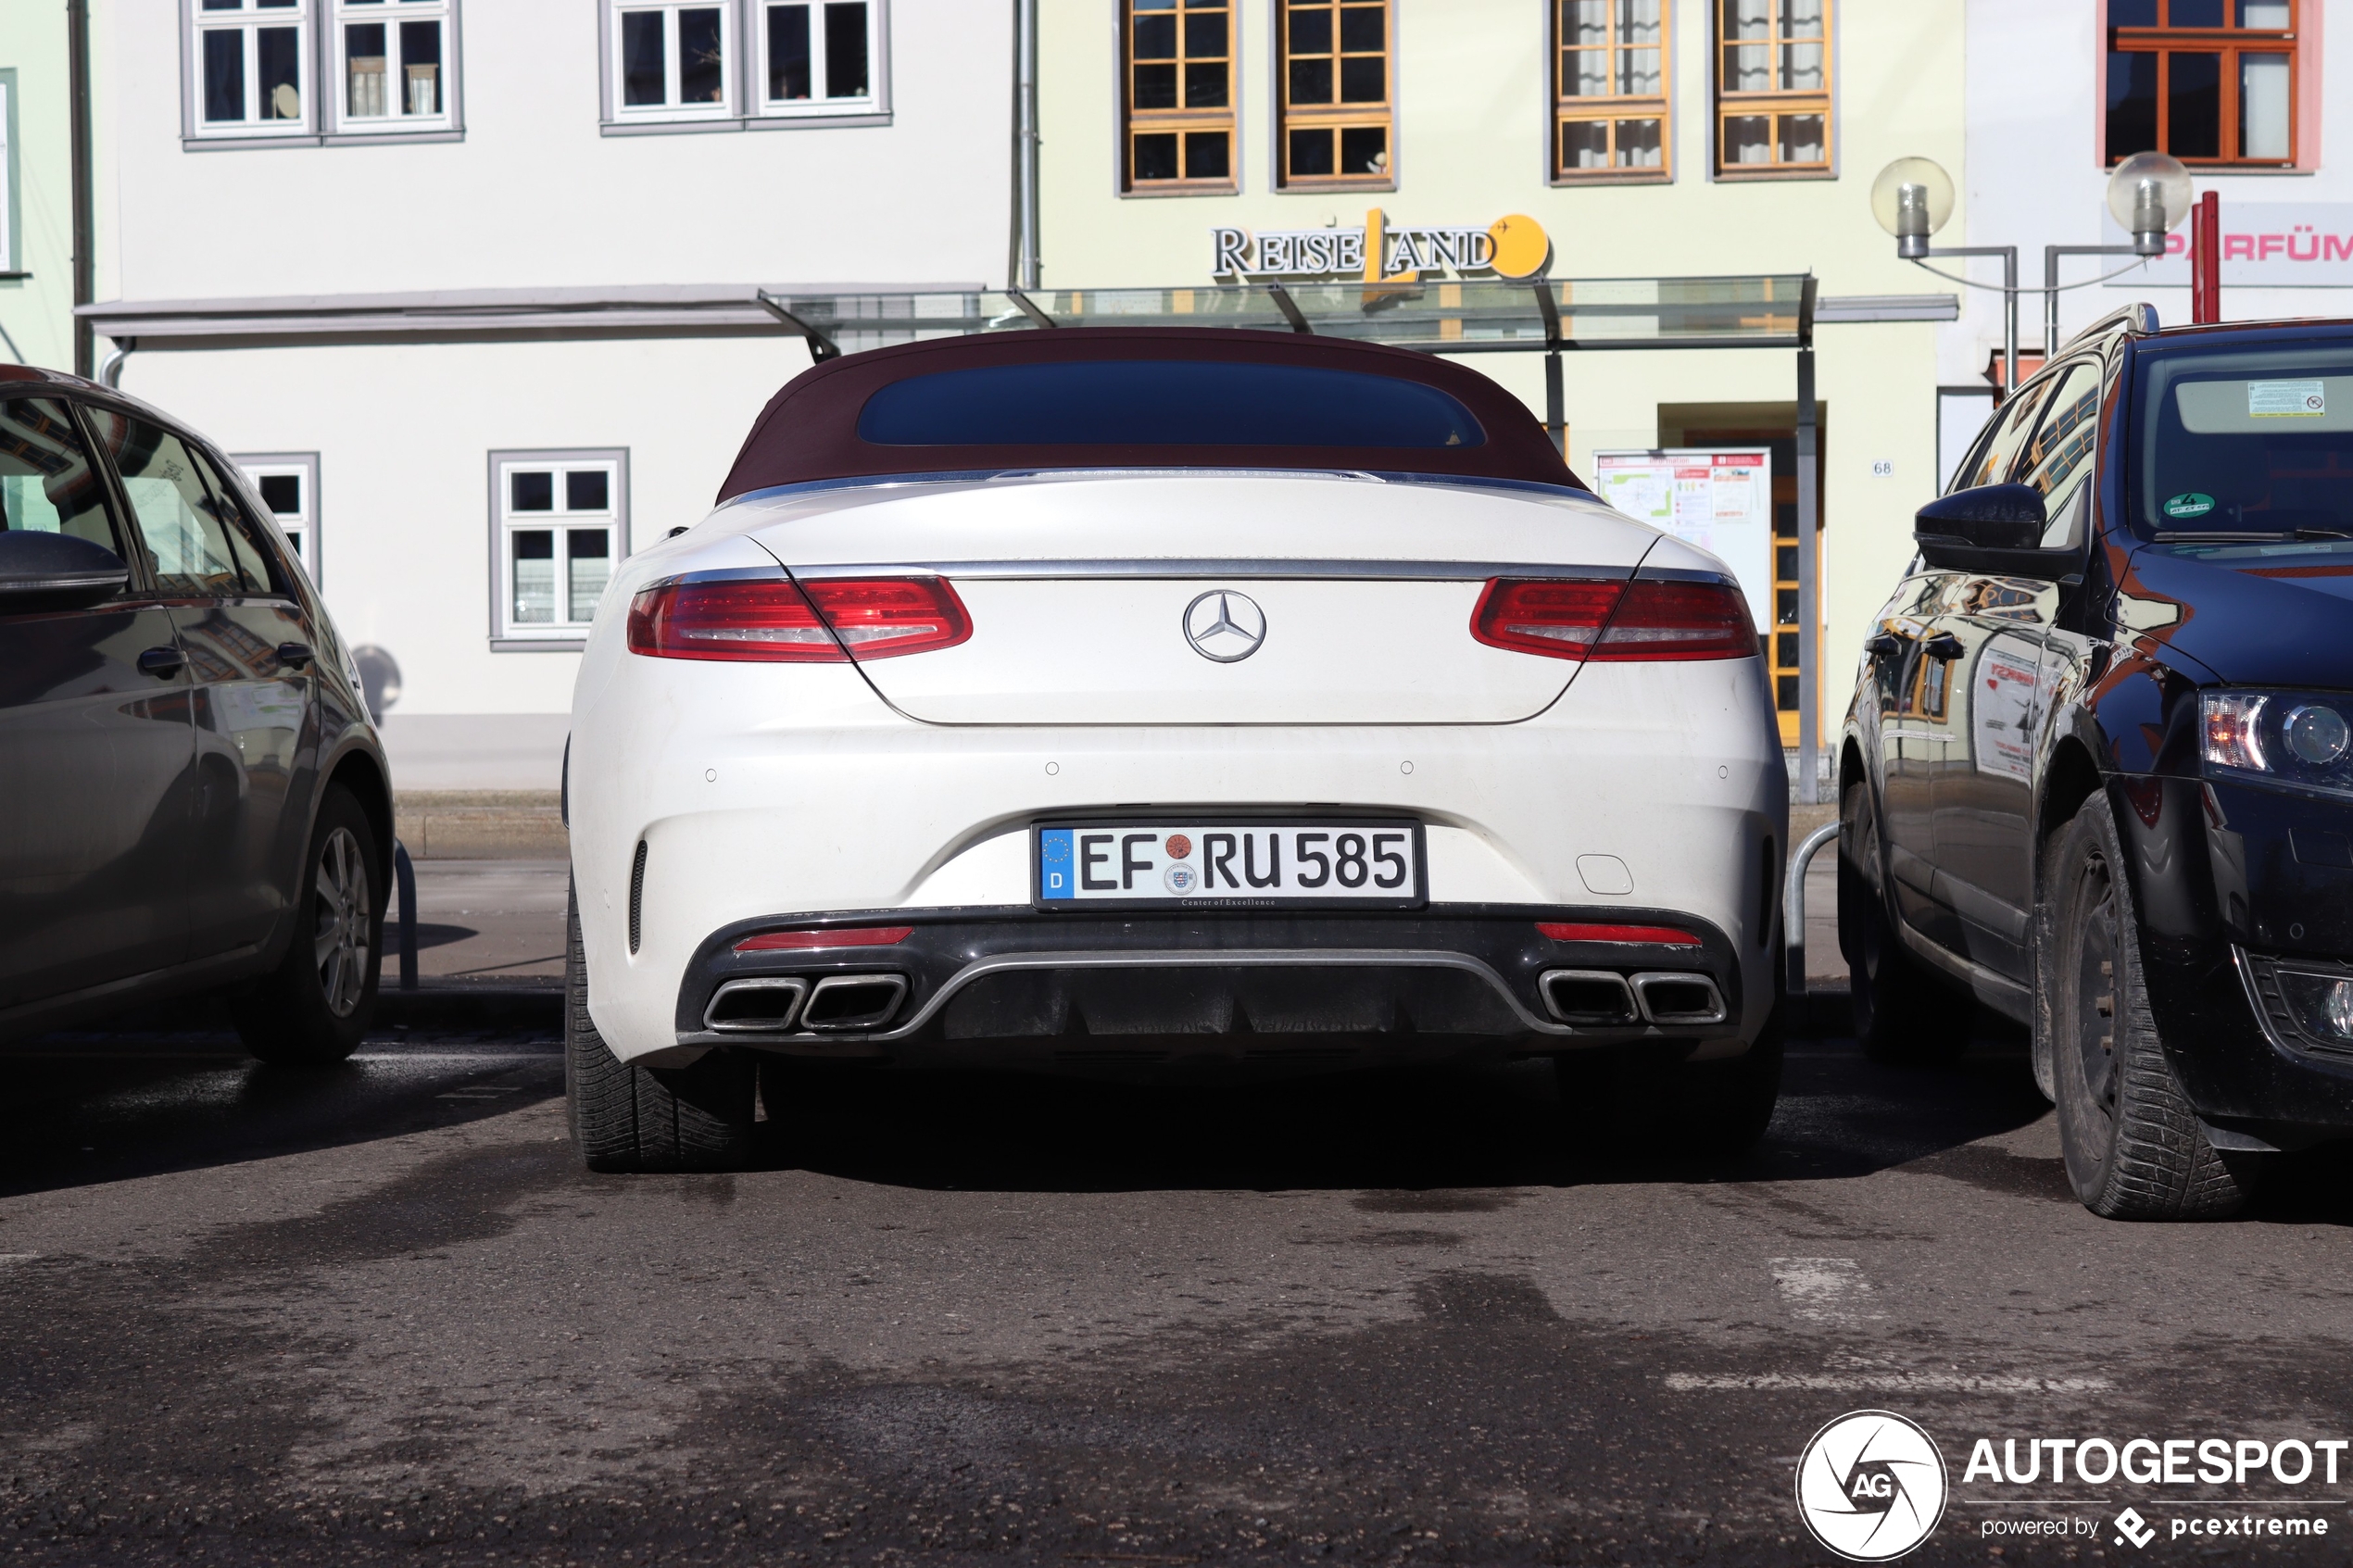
(404,876)
(1794,906)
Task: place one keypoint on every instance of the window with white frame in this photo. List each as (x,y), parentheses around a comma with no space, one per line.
(562,525)
(288,485)
(672,61)
(393,60)
(249,61)
(818,59)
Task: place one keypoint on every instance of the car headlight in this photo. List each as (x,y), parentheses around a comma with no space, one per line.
(2293,737)
(2322,1004)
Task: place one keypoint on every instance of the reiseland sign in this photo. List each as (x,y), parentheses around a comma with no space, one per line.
(1515,247)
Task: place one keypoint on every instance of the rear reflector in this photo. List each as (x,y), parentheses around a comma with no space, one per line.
(775,621)
(839,937)
(1653,935)
(1615,622)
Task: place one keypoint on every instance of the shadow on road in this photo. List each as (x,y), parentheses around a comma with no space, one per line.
(1426,1131)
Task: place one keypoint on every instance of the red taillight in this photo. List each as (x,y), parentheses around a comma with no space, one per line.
(1656,935)
(1678,620)
(1559,620)
(766,621)
(1615,622)
(839,937)
(882,617)
(775,621)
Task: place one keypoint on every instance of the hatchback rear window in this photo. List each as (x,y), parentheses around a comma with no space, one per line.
(1171,403)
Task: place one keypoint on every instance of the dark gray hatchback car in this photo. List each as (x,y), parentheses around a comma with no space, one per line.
(192,796)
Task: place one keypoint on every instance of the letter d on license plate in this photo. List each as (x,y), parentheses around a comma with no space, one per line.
(1376,864)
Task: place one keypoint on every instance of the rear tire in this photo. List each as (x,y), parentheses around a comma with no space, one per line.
(2131,1141)
(626,1118)
(1633,1101)
(1904,1015)
(314,1008)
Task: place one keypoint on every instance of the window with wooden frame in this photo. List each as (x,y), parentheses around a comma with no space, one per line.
(1772,87)
(1609,101)
(2210,81)
(1337,113)
(1179,94)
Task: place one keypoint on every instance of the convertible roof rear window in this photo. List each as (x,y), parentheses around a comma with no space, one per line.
(1164,402)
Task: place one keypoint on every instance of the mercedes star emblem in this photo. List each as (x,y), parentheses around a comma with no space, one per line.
(1225,626)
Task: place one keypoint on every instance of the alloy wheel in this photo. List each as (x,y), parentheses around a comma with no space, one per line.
(2095,985)
(340,937)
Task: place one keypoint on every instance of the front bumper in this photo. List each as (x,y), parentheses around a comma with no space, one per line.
(2233,881)
(1011,987)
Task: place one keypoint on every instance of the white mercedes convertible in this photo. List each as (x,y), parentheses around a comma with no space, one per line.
(1163,701)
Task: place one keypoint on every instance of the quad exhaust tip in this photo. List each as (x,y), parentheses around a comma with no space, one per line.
(777,1004)
(762,1006)
(853,1001)
(1671,999)
(1595,997)
(1601,998)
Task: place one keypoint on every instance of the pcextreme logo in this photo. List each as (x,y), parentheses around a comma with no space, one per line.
(1872,1486)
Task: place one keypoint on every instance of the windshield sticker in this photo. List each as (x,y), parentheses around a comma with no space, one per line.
(2287,400)
(2191,503)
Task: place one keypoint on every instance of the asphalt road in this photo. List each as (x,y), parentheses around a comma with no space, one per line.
(377,1314)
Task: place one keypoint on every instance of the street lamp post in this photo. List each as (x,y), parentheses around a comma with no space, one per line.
(1912,199)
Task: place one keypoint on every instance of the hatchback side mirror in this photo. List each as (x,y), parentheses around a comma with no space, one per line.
(1995,528)
(41,571)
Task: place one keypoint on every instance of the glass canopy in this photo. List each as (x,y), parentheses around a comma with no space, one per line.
(1471,316)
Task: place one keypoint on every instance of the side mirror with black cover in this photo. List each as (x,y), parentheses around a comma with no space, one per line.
(1995,528)
(51,572)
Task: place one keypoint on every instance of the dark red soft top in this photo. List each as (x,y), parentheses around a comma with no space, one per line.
(810,430)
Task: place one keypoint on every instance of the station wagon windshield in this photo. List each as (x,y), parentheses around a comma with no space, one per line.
(2245,445)
(1164,403)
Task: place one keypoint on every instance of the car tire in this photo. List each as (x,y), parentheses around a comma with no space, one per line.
(1730,1102)
(1633,1101)
(2131,1141)
(314,1008)
(1904,1015)
(626,1118)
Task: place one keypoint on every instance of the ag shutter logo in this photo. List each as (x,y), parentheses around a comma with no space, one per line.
(1870,1485)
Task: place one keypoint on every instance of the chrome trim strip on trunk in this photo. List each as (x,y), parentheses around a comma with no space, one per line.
(1178,567)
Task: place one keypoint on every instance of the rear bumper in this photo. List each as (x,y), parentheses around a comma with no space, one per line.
(1011,987)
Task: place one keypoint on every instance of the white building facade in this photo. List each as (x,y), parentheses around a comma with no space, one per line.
(472,288)
(2239,90)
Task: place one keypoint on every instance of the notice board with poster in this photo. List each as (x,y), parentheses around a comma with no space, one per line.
(1719,498)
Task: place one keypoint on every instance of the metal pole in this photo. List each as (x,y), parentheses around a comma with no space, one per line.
(1809,584)
(2206,260)
(404,875)
(85,261)
(1555,404)
(2009,321)
(2051,255)
(1028,267)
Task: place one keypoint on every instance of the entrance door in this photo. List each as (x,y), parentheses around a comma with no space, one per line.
(1781,440)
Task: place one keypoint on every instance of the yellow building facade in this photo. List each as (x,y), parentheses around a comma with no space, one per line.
(1625,139)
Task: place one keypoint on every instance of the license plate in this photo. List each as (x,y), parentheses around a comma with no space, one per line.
(1359,864)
